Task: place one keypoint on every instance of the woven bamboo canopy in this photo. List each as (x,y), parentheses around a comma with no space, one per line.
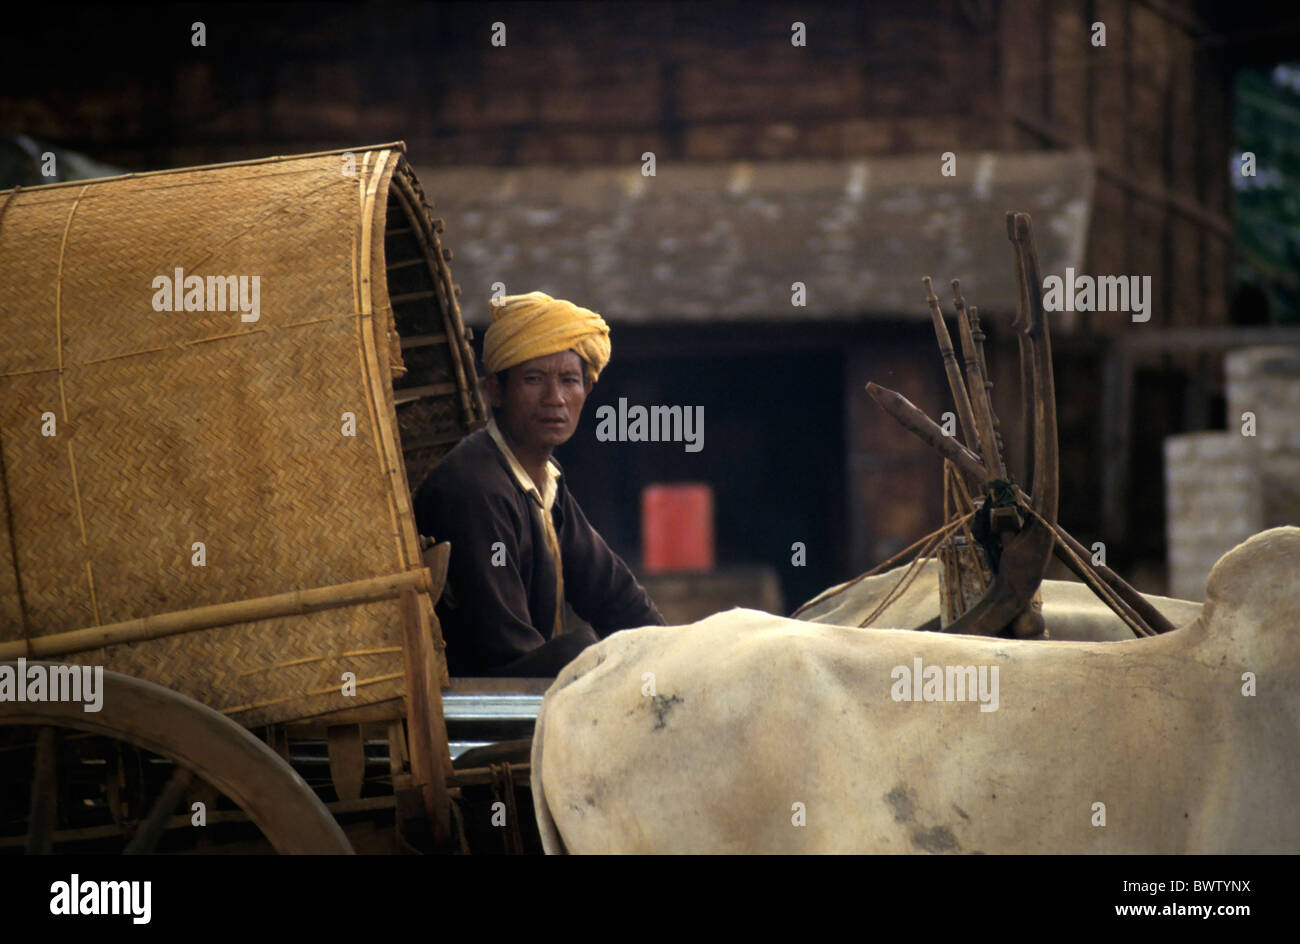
(249,451)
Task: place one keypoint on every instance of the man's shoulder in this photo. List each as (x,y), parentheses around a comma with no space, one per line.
(474,465)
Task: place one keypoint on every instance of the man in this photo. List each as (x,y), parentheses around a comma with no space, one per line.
(520,545)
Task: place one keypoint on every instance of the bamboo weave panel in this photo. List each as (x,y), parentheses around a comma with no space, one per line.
(176,427)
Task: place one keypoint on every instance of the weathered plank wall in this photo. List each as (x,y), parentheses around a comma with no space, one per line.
(1153,105)
(583,85)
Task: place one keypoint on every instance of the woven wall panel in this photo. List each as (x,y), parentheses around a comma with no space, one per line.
(176,427)
(275,670)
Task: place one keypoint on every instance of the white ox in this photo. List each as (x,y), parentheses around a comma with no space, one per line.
(767,734)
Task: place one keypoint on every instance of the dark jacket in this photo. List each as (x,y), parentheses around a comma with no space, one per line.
(492,615)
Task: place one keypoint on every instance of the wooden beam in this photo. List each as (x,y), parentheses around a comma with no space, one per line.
(412,296)
(410,394)
(1183,340)
(293,603)
(423,340)
(1006,108)
(1272,37)
(1158,195)
(1183,19)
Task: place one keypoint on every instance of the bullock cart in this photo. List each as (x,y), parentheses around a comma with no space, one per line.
(217,387)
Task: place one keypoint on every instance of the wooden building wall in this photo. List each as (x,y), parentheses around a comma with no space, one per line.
(580,84)
(1153,105)
(603,84)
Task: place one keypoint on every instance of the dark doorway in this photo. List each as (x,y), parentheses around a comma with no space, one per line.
(773,447)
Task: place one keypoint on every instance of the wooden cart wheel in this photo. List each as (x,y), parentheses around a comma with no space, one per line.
(199,740)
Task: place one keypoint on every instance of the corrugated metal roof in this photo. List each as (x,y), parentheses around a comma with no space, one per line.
(726,241)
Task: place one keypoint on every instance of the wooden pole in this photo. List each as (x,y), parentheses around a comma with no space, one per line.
(914,420)
(1018,328)
(1104,593)
(977,333)
(1046,479)
(981,406)
(958,387)
(429,750)
(293,603)
(1156,620)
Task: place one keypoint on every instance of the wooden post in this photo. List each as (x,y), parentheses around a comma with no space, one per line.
(43,810)
(426,726)
(347,757)
(1116,434)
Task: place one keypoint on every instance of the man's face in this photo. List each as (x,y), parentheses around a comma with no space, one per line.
(542,400)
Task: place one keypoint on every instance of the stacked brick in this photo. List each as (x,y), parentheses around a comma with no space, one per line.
(1224,486)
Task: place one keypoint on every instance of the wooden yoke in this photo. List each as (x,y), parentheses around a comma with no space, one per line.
(1025,523)
(1025,555)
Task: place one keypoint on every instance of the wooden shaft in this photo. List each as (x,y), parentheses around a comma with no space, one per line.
(977,334)
(1046,480)
(1026,353)
(1081,570)
(1156,620)
(958,387)
(293,603)
(484,776)
(979,392)
(153,826)
(915,421)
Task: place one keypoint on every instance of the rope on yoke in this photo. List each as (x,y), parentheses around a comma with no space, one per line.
(909,576)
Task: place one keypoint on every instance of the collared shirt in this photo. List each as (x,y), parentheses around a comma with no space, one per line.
(544,501)
(500,600)
(546,497)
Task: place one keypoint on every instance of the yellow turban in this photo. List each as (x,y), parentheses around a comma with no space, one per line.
(535,325)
